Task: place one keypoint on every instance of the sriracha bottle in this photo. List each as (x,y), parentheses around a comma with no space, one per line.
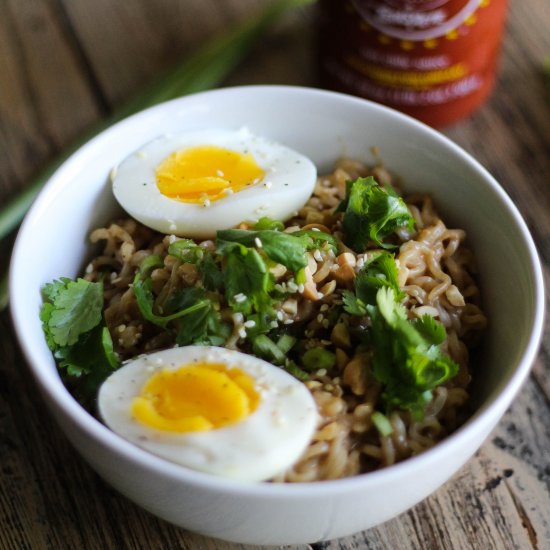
(432,59)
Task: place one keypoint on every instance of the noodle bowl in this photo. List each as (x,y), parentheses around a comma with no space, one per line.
(322,126)
(435,271)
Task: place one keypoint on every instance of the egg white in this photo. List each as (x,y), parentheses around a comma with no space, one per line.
(288,183)
(262,445)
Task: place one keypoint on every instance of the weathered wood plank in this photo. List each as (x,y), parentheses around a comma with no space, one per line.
(128,44)
(45,100)
(49,497)
(499,500)
(61,64)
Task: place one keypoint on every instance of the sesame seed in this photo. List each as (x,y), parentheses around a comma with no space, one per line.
(317,255)
(220,173)
(321,372)
(206,203)
(292,286)
(258,242)
(274,324)
(288,321)
(315,229)
(242,333)
(324,307)
(89,268)
(239,298)
(268,185)
(280,315)
(325,323)
(238,318)
(320,295)
(228,191)
(320,318)
(250,324)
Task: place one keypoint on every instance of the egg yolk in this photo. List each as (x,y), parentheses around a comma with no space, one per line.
(196,397)
(206,173)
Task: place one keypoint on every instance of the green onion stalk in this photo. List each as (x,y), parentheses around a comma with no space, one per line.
(204,69)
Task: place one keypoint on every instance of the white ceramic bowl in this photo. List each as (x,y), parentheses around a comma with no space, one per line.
(324,126)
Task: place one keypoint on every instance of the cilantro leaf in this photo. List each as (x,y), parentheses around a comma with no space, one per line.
(282,248)
(247,281)
(186,250)
(212,276)
(407,357)
(371,213)
(431,330)
(74,308)
(93,354)
(76,333)
(145,301)
(379,272)
(204,325)
(352,304)
(288,249)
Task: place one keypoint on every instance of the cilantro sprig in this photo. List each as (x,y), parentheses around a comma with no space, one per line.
(190,314)
(371,214)
(378,272)
(75,331)
(407,357)
(288,249)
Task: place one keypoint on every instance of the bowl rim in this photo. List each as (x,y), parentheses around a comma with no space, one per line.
(57,394)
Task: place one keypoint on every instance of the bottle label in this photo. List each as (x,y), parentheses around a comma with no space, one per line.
(434,59)
(415,19)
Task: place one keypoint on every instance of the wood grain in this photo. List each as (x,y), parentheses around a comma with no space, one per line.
(66,63)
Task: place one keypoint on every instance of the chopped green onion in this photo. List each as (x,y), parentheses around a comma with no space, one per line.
(382,424)
(292,368)
(263,346)
(286,342)
(318,358)
(148,264)
(203,70)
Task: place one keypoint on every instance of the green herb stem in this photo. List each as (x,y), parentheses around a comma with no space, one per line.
(205,69)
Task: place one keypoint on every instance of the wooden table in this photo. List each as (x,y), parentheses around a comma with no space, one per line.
(65,64)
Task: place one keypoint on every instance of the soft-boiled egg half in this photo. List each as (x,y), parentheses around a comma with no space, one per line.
(211,409)
(194,183)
